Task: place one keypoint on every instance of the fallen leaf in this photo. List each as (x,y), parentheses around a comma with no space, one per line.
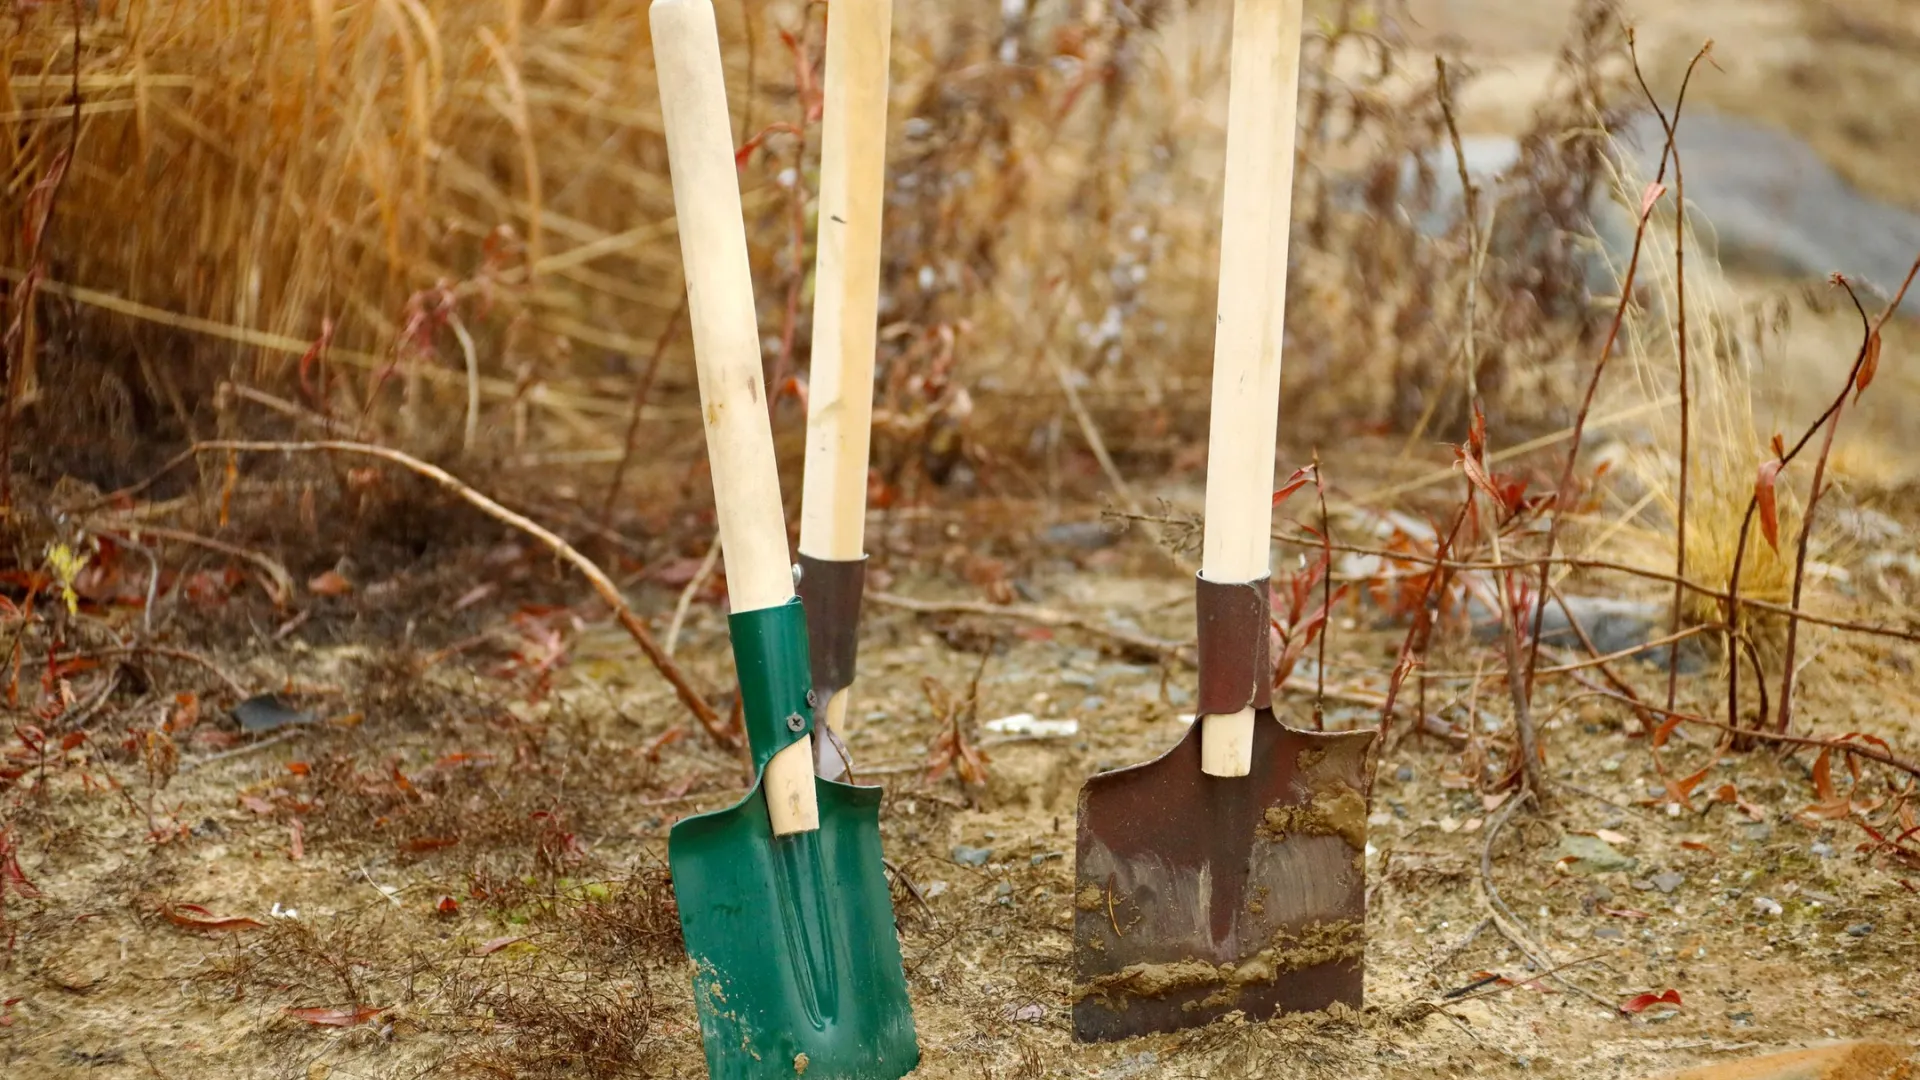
(195,917)
(428,843)
(336,1017)
(497,944)
(1640,1003)
(330,584)
(299,846)
(256,804)
(1491,803)
(1624,913)
(1696,845)
(1611,837)
(299,768)
(447,905)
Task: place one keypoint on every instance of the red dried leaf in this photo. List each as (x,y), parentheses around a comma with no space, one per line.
(1624,913)
(330,584)
(1695,845)
(1823,776)
(72,739)
(494,946)
(1640,1003)
(428,843)
(1294,483)
(195,917)
(256,804)
(342,1018)
(447,905)
(1763,493)
(1868,365)
(299,845)
(299,768)
(1665,730)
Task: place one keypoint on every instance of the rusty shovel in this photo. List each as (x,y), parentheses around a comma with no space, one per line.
(1228,874)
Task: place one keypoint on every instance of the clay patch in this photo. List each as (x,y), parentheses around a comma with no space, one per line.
(1336,810)
(1320,943)
(1090,898)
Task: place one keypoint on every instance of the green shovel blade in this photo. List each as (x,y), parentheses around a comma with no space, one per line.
(796,963)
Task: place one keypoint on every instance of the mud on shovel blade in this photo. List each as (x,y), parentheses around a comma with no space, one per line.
(833,499)
(784,905)
(1229,873)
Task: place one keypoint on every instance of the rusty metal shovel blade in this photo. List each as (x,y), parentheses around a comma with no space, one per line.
(1199,895)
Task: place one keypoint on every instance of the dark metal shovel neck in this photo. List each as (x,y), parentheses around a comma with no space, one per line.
(770,657)
(831,589)
(1235,647)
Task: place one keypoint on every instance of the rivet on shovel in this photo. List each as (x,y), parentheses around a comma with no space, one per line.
(783,897)
(1227,875)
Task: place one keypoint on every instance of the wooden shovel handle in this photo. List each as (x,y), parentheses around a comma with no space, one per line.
(1262,102)
(1262,99)
(833,502)
(726,346)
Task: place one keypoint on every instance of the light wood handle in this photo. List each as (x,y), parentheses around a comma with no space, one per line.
(726,346)
(1262,103)
(833,502)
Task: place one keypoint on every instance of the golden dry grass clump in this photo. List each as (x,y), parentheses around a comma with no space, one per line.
(468,206)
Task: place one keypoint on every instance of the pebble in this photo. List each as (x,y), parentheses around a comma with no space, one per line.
(1860,929)
(1763,905)
(1823,849)
(1668,881)
(971,856)
(1404,774)
(1611,933)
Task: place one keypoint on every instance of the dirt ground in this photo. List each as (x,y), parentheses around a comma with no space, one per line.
(452,861)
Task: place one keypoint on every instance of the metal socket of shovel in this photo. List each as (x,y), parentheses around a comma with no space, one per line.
(846,307)
(1228,874)
(784,905)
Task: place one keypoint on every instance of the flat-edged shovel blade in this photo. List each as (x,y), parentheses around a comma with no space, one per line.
(1197,895)
(796,962)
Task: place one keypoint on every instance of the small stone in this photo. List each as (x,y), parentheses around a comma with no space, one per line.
(1758,831)
(1642,884)
(1004,894)
(1822,849)
(971,856)
(1860,929)
(1763,905)
(1079,678)
(1668,881)
(1045,857)
(1611,933)
(1813,896)
(1742,1019)
(1602,894)
(1404,774)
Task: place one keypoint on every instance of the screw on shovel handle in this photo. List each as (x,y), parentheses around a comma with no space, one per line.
(1262,103)
(726,344)
(833,500)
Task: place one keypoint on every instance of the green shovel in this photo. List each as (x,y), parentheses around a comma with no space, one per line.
(784,905)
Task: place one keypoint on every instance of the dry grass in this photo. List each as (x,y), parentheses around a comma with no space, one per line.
(428,220)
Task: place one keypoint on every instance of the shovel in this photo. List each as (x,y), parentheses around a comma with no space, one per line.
(1228,873)
(784,905)
(846,295)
